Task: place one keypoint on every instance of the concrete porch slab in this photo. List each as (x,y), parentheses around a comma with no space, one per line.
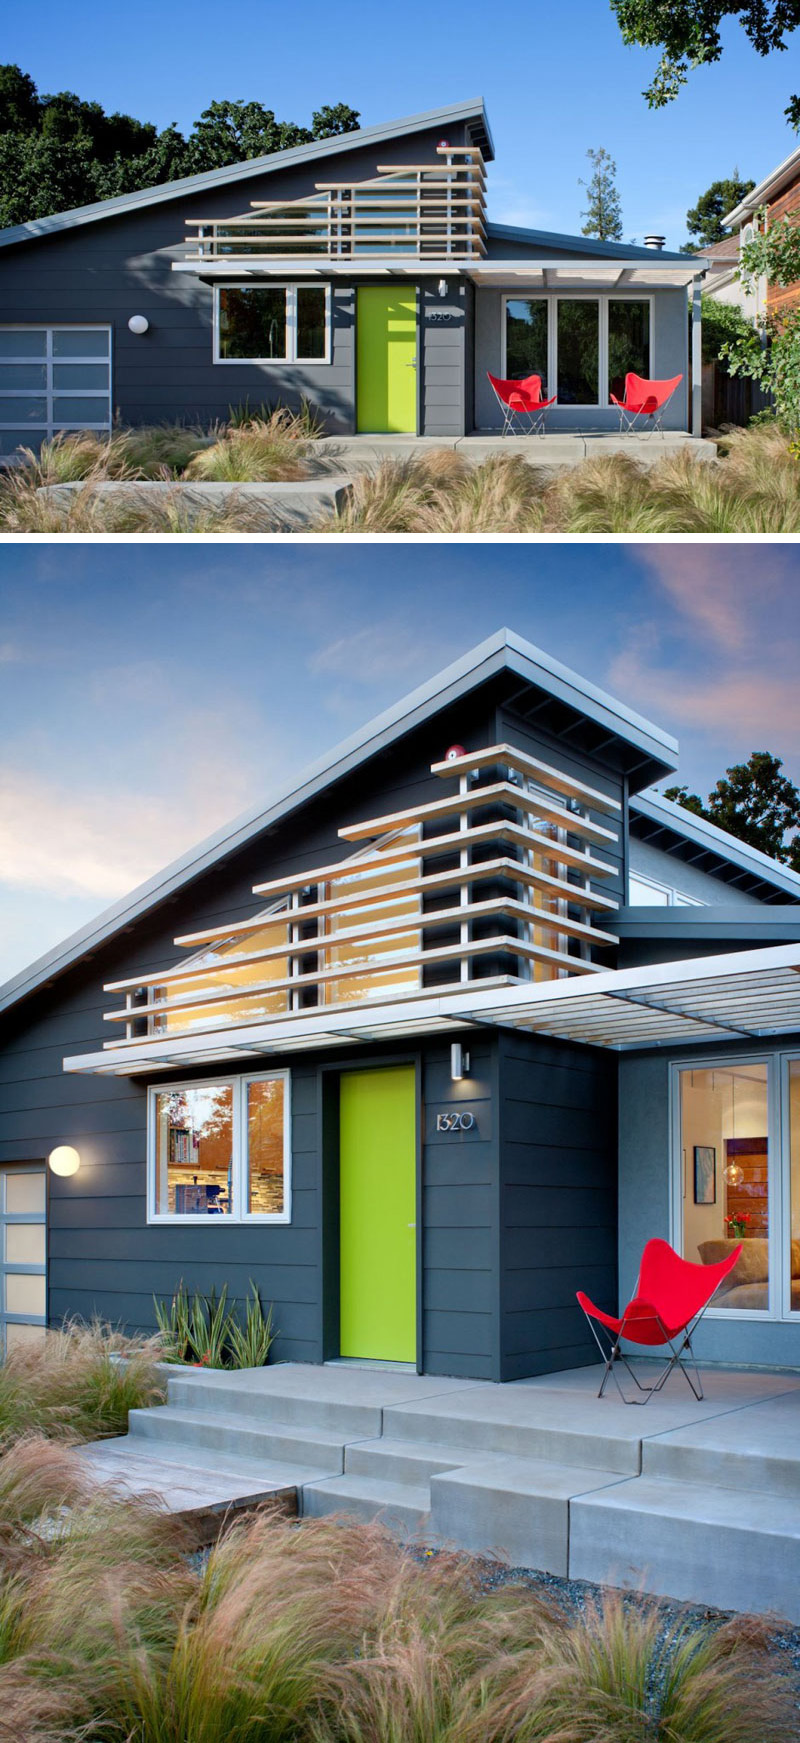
(549,453)
(745,1449)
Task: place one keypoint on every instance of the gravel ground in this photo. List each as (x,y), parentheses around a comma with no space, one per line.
(575,1594)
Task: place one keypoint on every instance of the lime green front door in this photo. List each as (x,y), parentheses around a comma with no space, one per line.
(377,1165)
(386,355)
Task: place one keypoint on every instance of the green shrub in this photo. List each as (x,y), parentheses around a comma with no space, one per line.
(204,1330)
(722,322)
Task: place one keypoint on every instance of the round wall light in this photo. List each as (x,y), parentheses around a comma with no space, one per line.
(138,324)
(64,1160)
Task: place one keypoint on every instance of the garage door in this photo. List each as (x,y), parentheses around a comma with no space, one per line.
(53,378)
(23,1269)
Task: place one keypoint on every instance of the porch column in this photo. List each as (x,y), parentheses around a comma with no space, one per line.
(697,358)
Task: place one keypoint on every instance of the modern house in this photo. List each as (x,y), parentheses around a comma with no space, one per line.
(438,1036)
(361,273)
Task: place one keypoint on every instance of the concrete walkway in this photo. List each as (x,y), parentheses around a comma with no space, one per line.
(696,1501)
(547,453)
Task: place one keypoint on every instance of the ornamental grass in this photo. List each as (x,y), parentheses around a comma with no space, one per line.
(263,450)
(77,1383)
(331,1632)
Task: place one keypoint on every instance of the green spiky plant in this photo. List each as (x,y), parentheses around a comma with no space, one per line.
(204,1331)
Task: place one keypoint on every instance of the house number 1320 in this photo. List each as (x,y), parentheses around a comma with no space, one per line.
(455,1122)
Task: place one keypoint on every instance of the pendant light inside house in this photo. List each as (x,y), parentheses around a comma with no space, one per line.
(732,1173)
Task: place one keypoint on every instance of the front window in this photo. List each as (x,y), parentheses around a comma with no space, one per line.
(578,352)
(220,1149)
(272,323)
(628,342)
(726,1177)
(526,339)
(581,347)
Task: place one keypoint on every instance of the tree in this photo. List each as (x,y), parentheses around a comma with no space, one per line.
(755,802)
(690,34)
(61,151)
(769,352)
(603,211)
(704,221)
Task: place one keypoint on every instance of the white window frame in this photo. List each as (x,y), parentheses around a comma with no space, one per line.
(553,298)
(16,1268)
(675,898)
(239,1213)
(292,356)
(50,426)
(778,1309)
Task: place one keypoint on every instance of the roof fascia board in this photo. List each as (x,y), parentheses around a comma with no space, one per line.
(499,652)
(657,809)
(770,185)
(270,164)
(744,920)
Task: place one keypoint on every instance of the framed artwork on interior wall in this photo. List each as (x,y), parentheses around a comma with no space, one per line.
(705,1174)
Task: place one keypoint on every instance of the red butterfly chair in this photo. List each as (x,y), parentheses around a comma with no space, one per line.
(647,400)
(519,399)
(671,1297)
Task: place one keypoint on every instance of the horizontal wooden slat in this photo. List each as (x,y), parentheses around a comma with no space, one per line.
(508,756)
(510,869)
(396,925)
(481,835)
(498,793)
(503,945)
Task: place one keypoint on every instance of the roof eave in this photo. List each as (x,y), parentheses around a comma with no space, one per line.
(696,829)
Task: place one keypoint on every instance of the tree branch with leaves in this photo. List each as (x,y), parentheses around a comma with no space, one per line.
(689,32)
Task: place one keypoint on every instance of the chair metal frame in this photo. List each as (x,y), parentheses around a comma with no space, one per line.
(512,414)
(628,415)
(615,1354)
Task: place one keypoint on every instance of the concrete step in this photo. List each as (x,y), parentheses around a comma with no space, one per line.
(403,1506)
(229,1433)
(403,1461)
(690,1541)
(241,1395)
(527,1425)
(516,1509)
(184,1481)
(742,1450)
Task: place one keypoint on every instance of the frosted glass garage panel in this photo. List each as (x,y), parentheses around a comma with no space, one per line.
(81,342)
(25,1294)
(25,1244)
(23,377)
(23,341)
(25,1194)
(20,1337)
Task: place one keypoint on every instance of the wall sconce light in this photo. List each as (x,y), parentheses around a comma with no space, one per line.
(64,1160)
(459,1062)
(138,324)
(442,287)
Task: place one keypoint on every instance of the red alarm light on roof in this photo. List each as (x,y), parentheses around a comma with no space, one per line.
(443,145)
(455,751)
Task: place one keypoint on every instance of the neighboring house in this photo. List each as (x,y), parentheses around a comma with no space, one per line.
(779,196)
(439,1036)
(361,273)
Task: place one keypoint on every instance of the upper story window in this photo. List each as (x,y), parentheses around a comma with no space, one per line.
(272,323)
(648,893)
(220,1149)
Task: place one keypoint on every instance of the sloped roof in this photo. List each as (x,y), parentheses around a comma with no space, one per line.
(587,245)
(472,111)
(503,651)
(686,824)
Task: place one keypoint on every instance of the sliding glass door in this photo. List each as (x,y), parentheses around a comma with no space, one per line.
(581,347)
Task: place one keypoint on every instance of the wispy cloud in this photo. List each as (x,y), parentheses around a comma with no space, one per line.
(373,655)
(730,607)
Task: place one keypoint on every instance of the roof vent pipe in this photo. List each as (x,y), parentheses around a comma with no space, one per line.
(656,242)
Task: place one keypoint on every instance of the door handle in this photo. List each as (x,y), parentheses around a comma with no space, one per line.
(412,364)
(412,1225)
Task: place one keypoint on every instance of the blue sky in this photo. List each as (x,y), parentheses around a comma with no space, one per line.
(556,78)
(148,694)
